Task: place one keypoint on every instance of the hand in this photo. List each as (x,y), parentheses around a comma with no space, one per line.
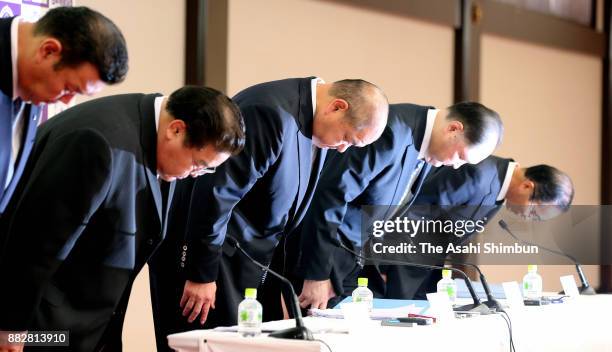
(197,299)
(316,294)
(5,346)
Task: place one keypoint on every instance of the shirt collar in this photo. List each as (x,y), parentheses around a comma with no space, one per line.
(507,179)
(157,106)
(431,118)
(313,91)
(14,52)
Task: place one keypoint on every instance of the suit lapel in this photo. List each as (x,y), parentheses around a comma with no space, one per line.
(416,124)
(304,166)
(304,121)
(6,129)
(6,104)
(30,116)
(148,141)
(317,166)
(167,194)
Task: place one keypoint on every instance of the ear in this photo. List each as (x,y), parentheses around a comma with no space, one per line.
(528,186)
(175,129)
(50,48)
(339,105)
(455,126)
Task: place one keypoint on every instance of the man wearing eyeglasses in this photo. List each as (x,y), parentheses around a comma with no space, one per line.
(257,196)
(387,173)
(474,192)
(93,206)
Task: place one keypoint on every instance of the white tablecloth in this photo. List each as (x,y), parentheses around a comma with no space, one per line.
(580,325)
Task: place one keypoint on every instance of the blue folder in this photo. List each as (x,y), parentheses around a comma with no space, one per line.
(380,303)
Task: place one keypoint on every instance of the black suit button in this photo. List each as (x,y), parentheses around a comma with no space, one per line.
(150,241)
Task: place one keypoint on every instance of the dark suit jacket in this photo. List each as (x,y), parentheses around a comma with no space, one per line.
(262,193)
(7,114)
(87,216)
(469,192)
(377,174)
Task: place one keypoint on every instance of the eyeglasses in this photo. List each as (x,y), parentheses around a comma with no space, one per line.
(200,167)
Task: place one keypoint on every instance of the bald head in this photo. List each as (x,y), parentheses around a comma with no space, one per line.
(350,112)
(368,104)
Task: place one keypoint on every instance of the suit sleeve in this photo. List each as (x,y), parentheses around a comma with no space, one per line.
(344,178)
(214,196)
(67,185)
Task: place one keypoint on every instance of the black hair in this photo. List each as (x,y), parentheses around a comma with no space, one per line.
(210,116)
(86,36)
(478,121)
(552,186)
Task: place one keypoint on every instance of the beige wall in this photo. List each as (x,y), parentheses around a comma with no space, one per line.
(272,39)
(550,101)
(155,35)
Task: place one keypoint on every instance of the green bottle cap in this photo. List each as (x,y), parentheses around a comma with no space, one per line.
(250,293)
(447,274)
(531,268)
(362,282)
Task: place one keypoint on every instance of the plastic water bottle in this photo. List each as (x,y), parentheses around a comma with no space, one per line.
(362,293)
(448,285)
(249,314)
(532,284)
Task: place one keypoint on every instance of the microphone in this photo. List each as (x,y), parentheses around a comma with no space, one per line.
(299,332)
(491,302)
(477,306)
(586,289)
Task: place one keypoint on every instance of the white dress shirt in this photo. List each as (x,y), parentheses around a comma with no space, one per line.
(431,118)
(507,179)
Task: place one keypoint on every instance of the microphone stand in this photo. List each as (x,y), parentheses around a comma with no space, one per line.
(300,331)
(585,289)
(477,306)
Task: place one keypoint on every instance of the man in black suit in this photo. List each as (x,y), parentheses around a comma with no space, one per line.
(92,206)
(70,50)
(257,196)
(387,173)
(477,192)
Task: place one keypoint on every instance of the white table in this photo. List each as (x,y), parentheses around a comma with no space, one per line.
(581,325)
